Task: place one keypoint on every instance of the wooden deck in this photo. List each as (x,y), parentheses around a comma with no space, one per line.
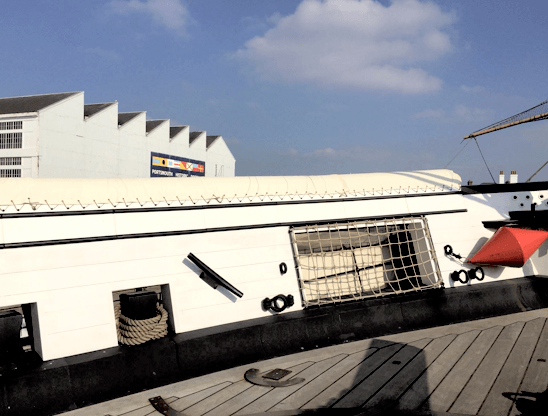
(474,368)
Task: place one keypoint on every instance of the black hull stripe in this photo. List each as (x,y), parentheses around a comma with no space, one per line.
(494,188)
(211,230)
(193,207)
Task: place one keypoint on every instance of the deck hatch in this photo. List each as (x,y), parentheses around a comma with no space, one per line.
(355,260)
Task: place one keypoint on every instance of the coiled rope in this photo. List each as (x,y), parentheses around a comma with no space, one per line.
(139,331)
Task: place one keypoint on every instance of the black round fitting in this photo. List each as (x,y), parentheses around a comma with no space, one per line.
(278,303)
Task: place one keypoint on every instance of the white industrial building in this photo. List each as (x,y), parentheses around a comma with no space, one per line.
(57,135)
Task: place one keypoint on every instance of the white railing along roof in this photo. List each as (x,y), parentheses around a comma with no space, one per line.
(84,191)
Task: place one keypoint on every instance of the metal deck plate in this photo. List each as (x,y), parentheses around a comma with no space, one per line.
(277,374)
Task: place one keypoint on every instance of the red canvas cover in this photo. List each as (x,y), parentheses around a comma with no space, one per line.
(510,247)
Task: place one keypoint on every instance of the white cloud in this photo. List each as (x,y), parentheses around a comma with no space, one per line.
(474,89)
(169,13)
(471,114)
(460,113)
(354,44)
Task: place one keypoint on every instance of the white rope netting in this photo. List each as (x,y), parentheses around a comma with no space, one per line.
(356,260)
(139,331)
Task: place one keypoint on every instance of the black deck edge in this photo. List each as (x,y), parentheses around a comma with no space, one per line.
(48,388)
(494,188)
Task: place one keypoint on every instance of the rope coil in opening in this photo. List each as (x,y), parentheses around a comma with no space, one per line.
(139,331)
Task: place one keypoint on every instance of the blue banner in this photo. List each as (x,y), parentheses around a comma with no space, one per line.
(162,165)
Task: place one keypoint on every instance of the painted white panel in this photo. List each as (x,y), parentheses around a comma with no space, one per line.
(207,296)
(435,203)
(232,259)
(65,344)
(57,228)
(71,319)
(107,252)
(215,315)
(376,207)
(151,222)
(231,217)
(311,212)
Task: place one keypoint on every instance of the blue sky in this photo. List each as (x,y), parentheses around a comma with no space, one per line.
(311,87)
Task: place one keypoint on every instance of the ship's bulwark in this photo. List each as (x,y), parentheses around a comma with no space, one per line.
(54,386)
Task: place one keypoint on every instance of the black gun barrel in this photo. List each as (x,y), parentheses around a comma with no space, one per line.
(212,274)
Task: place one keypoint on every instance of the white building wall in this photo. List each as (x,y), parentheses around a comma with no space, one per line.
(102,152)
(218,162)
(58,142)
(179,144)
(29,152)
(133,148)
(61,141)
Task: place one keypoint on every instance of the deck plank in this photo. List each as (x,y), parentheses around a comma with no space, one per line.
(435,373)
(277,395)
(239,401)
(450,387)
(368,387)
(194,398)
(229,393)
(147,410)
(476,390)
(536,375)
(513,370)
(252,394)
(392,390)
(339,388)
(323,381)
(217,399)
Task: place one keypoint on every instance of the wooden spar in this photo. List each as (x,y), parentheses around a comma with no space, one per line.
(525,120)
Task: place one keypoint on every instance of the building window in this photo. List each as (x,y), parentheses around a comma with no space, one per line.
(11,140)
(356,260)
(10,161)
(10,173)
(11,125)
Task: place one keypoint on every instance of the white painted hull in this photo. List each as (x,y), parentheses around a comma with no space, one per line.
(68,266)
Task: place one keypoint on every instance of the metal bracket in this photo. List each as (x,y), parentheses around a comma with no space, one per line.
(161,406)
(253,377)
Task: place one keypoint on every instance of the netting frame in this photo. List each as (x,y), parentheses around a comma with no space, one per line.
(433,274)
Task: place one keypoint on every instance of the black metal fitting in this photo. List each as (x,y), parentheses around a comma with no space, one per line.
(468,275)
(448,250)
(278,303)
(209,276)
(473,274)
(455,276)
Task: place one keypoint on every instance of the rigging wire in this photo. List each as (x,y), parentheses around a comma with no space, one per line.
(477,144)
(538,170)
(458,153)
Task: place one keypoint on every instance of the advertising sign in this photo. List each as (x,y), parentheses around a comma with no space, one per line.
(162,165)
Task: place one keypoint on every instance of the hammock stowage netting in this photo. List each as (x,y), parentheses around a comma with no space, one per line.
(538,112)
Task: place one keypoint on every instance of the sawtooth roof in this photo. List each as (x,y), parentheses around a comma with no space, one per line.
(174,131)
(210,140)
(152,124)
(123,118)
(92,109)
(194,135)
(31,103)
